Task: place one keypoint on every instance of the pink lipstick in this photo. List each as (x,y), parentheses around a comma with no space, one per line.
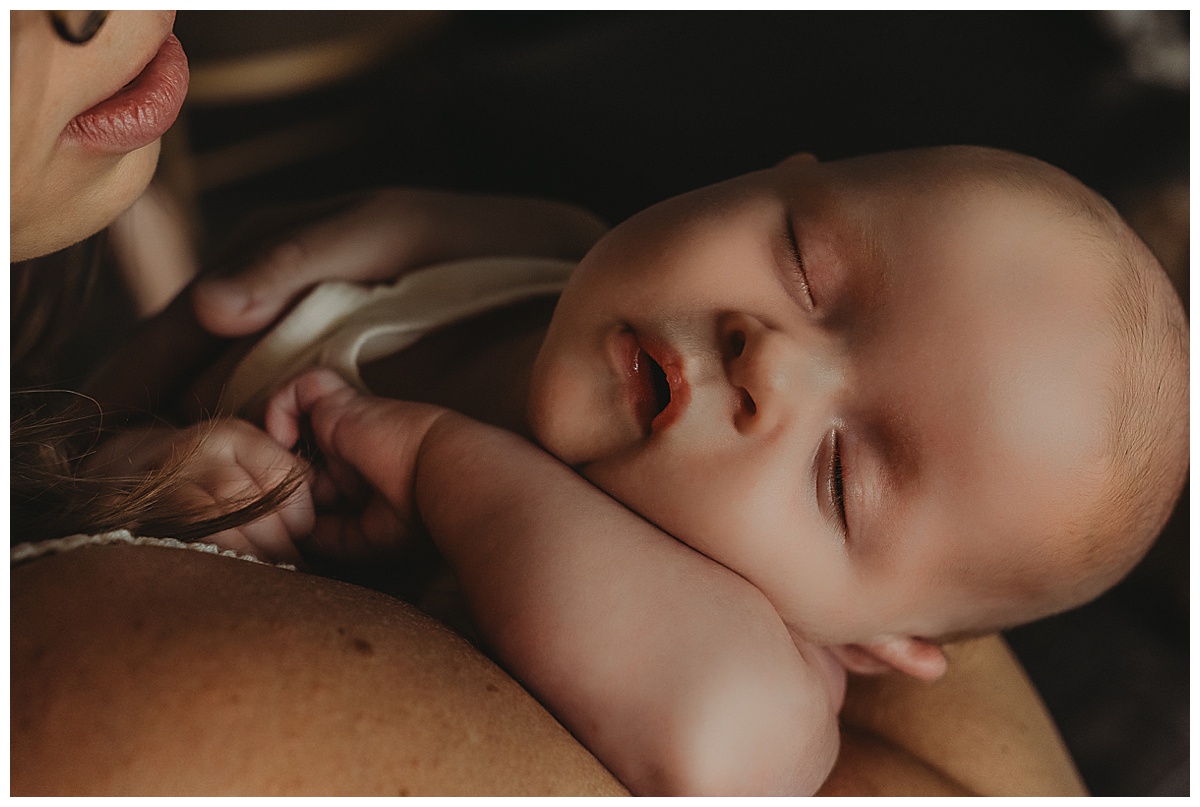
(140,112)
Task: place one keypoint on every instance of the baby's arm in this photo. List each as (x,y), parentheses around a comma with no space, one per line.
(674,671)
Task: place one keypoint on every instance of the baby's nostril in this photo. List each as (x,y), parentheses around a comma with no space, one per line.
(748,403)
(737,344)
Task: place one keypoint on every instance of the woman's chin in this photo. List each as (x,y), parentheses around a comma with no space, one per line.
(60,214)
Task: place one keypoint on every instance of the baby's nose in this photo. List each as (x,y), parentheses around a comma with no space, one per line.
(763,366)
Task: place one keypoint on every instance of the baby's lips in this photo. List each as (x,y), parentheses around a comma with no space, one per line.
(679,393)
(634,364)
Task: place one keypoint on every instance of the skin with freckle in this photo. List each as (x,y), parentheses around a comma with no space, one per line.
(354,692)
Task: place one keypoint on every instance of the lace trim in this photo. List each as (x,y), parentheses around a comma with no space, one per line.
(23,553)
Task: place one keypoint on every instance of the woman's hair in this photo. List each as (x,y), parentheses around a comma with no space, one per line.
(48,293)
(54,431)
(51,498)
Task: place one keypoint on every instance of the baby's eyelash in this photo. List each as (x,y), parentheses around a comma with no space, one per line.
(836,486)
(793,251)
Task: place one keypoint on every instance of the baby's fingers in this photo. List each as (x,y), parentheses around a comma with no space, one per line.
(259,466)
(272,536)
(373,533)
(339,482)
(297,399)
(269,538)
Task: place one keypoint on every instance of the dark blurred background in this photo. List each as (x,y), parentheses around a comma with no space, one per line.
(615,111)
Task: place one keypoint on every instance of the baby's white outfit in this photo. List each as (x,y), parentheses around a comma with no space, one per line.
(343,325)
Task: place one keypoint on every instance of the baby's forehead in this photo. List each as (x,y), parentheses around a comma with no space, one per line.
(1019,346)
(1008,518)
(944,169)
(995,253)
(933,193)
(947,179)
(994,341)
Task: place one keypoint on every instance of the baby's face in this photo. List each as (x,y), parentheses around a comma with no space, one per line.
(842,384)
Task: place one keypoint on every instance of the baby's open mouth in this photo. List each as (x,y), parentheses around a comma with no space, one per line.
(658,382)
(648,387)
(655,384)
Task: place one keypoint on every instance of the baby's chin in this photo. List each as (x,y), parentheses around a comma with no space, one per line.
(833,676)
(562,416)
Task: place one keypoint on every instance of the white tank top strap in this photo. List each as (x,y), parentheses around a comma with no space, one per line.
(341,325)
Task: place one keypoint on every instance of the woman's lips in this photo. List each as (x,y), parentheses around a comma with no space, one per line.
(141,111)
(656,388)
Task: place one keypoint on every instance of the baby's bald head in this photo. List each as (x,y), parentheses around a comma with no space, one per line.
(1148,391)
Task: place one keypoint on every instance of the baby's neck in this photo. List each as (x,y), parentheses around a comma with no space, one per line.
(480,367)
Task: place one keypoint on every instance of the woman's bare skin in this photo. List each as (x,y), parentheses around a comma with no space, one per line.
(242,679)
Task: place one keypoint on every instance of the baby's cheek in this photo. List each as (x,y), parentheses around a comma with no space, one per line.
(833,676)
(553,394)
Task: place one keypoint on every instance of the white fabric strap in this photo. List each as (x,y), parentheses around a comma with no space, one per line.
(341,325)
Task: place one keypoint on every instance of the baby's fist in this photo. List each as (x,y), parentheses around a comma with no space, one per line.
(369,449)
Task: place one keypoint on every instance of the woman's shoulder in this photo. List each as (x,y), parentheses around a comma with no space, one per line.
(202,674)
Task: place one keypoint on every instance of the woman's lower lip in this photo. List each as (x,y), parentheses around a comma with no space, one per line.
(139,113)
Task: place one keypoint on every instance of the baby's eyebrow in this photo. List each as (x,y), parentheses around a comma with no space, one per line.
(893,436)
(870,269)
(856,256)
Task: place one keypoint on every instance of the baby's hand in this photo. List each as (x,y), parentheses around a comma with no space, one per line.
(363,488)
(221,464)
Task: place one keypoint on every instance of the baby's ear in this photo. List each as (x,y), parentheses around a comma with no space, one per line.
(800,157)
(919,658)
